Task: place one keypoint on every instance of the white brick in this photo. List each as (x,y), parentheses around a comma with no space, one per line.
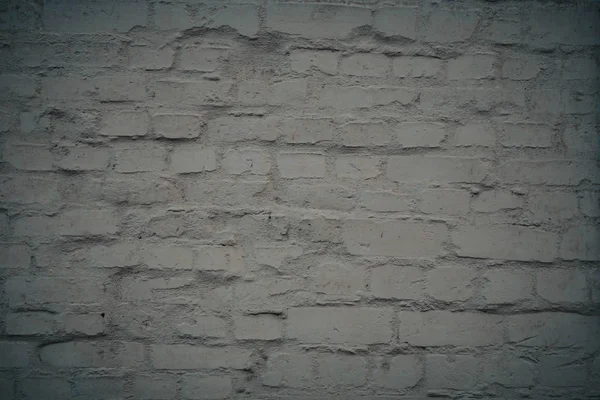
(445,328)
(15,256)
(361,325)
(92,354)
(450,371)
(113,255)
(505,242)
(277,256)
(503,286)
(420,134)
(87,222)
(316,21)
(185,92)
(337,280)
(177,126)
(365,64)
(526,135)
(521,69)
(397,282)
(442,201)
(471,67)
(31,324)
(475,134)
(288,370)
(446,26)
(14,354)
(150,58)
(203,59)
(146,157)
(206,387)
(303,60)
(193,158)
(307,130)
(168,256)
(301,165)
(261,327)
(120,88)
(234,129)
(86,325)
(509,371)
(358,134)
(252,161)
(403,371)
(28,157)
(436,169)
(505,27)
(581,243)
(417,67)
(221,258)
(139,190)
(451,283)
(204,326)
(47,388)
(125,123)
(357,167)
(394,238)
(35,292)
(553,207)
(589,204)
(333,197)
(547,172)
(384,201)
(580,68)
(184,356)
(341,370)
(562,286)
(496,200)
(396,21)
(84,158)
(155,386)
(351,97)
(223,192)
(260,93)
(562,370)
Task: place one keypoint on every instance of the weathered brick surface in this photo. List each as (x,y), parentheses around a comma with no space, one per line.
(285,199)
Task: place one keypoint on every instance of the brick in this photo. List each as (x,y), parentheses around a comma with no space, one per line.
(177,126)
(332,197)
(502,286)
(206,386)
(241,17)
(509,371)
(581,243)
(358,134)
(108,256)
(416,168)
(87,222)
(337,280)
(150,58)
(580,68)
(202,59)
(179,92)
(521,69)
(445,328)
(234,129)
(246,160)
(259,327)
(446,26)
(183,356)
(84,325)
(451,283)
(363,64)
(552,207)
(258,93)
(558,286)
(526,135)
(497,200)
(307,130)
(504,27)
(14,354)
(479,66)
(146,157)
(397,282)
(442,201)
(400,372)
(451,100)
(396,21)
(555,330)
(450,371)
(589,204)
(125,123)
(34,292)
(340,97)
(518,243)
(224,192)
(92,354)
(221,258)
(139,190)
(288,370)
(19,86)
(80,53)
(168,256)
(34,226)
(341,370)
(574,25)
(46,388)
(193,158)
(384,201)
(362,325)
(15,256)
(416,67)
(580,136)
(204,326)
(120,88)
(28,157)
(394,238)
(420,134)
(155,386)
(301,165)
(303,61)
(31,324)
(547,172)
(99,388)
(88,17)
(84,158)
(316,21)
(562,371)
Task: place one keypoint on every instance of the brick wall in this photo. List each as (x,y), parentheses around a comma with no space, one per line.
(277,200)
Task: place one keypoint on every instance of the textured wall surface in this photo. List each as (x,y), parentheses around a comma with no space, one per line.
(276,200)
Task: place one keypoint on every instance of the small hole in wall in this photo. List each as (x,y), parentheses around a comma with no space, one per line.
(102,315)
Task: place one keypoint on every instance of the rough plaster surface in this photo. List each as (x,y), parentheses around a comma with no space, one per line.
(278,200)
